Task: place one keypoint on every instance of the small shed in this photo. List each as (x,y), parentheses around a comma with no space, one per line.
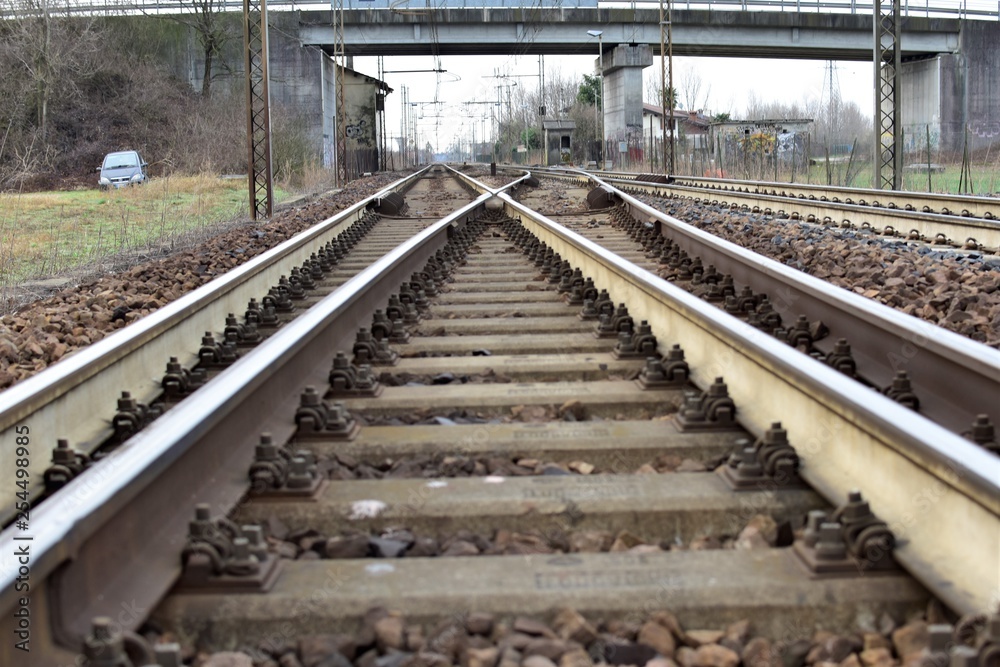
(558,141)
(364,106)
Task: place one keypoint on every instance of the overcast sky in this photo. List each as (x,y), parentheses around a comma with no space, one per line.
(728,81)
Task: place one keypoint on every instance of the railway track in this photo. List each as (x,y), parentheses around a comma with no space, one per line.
(949,221)
(500,420)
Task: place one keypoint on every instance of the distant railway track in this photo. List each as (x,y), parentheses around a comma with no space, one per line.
(506,298)
(957,221)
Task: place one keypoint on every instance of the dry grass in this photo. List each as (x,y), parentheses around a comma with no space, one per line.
(42,234)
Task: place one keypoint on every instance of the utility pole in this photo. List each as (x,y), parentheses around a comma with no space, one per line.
(671,165)
(339,65)
(261,196)
(663,85)
(599,102)
(888,145)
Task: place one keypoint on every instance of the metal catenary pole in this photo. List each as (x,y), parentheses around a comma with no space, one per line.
(258,109)
(340,64)
(888,132)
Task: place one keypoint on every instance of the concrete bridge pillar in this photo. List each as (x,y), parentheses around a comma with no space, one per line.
(622,90)
(946,93)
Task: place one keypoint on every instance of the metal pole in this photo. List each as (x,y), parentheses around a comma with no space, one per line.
(340,63)
(541,106)
(258,109)
(600,65)
(888,132)
(671,165)
(663,87)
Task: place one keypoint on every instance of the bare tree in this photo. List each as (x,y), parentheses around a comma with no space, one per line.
(213,32)
(690,85)
(43,57)
(652,94)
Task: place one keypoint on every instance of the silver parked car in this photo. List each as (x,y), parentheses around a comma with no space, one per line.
(121,169)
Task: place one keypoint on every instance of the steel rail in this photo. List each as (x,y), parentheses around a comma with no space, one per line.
(824,206)
(939,493)
(965,206)
(61,402)
(111,544)
(955,229)
(955,378)
(112,538)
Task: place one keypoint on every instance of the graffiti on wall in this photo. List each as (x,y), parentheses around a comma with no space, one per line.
(357,130)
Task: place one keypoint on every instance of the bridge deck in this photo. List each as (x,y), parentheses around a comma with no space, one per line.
(560,30)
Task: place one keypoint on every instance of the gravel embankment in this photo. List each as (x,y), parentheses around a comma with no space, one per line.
(45,331)
(568,639)
(959,291)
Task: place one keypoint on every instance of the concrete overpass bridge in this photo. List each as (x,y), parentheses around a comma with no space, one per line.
(950,72)
(387,27)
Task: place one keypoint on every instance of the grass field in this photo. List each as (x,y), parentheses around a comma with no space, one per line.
(46,233)
(985,180)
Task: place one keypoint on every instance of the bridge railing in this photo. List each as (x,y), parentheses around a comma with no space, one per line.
(971,9)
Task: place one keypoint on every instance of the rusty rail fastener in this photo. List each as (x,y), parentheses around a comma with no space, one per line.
(67,463)
(315,418)
(347,380)
(850,540)
(219,556)
(767,463)
(709,411)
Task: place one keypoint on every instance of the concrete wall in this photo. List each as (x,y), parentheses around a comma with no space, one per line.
(295,72)
(951,91)
(981,60)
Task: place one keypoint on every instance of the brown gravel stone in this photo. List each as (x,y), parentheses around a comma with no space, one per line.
(910,639)
(590,541)
(390,633)
(229,659)
(851,661)
(758,653)
(481,657)
(739,632)
(316,648)
(686,656)
(427,659)
(537,661)
(704,543)
(516,640)
(698,638)
(289,660)
(479,623)
(713,655)
(446,639)
(872,640)
(510,657)
(581,467)
(668,620)
(529,626)
(415,639)
(569,624)
(550,648)
(625,541)
(876,657)
(576,657)
(657,637)
(461,548)
(751,539)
